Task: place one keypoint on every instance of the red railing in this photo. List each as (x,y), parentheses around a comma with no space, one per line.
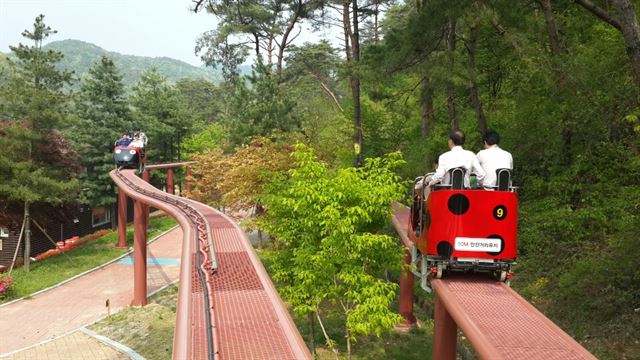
(227,306)
(196,229)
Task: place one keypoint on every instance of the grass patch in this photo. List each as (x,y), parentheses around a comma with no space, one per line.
(147,330)
(58,268)
(411,345)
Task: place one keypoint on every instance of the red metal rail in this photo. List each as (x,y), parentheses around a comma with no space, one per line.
(204,327)
(168,165)
(498,322)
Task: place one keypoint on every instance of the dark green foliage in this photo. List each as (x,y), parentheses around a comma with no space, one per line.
(570,119)
(160,113)
(260,108)
(36,161)
(103,115)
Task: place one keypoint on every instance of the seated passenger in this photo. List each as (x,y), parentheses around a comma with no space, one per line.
(457,157)
(137,142)
(493,158)
(142,136)
(125,140)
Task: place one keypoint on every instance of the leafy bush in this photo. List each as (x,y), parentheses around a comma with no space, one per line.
(326,225)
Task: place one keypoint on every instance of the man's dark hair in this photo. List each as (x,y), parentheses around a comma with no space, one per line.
(491,137)
(457,137)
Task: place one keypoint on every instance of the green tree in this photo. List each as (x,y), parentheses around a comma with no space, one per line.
(203,99)
(326,226)
(103,113)
(208,138)
(269,26)
(260,108)
(35,101)
(160,113)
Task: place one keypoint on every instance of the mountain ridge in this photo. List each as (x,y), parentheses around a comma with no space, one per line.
(80,55)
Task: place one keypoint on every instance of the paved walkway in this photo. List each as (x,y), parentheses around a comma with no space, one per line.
(76,345)
(80,302)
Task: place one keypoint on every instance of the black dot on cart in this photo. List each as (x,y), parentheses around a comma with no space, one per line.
(496,236)
(444,249)
(458,204)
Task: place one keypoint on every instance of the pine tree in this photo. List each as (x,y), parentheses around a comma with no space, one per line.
(35,102)
(103,114)
(159,112)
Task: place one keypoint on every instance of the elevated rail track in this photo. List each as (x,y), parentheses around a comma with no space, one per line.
(227,306)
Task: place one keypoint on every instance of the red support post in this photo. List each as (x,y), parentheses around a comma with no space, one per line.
(146,176)
(122,220)
(139,255)
(188,179)
(406,294)
(445,333)
(170,185)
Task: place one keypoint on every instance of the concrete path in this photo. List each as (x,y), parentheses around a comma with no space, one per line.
(80,302)
(76,345)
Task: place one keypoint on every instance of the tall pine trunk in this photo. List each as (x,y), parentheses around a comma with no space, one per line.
(355,87)
(475,97)
(630,33)
(352,50)
(451,96)
(554,40)
(428,112)
(556,53)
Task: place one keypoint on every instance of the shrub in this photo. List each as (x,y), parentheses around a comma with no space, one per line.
(6,283)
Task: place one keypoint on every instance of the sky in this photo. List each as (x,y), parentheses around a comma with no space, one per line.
(134,27)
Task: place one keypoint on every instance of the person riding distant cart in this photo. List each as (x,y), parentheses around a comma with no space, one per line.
(125,140)
(139,141)
(142,136)
(129,152)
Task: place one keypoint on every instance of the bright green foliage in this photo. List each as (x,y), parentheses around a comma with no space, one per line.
(160,114)
(104,115)
(209,137)
(326,227)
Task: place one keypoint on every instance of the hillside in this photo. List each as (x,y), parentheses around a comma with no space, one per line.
(79,56)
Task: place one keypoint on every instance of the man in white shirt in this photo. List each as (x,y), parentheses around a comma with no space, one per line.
(457,157)
(493,158)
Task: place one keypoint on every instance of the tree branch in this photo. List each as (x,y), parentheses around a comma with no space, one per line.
(599,12)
